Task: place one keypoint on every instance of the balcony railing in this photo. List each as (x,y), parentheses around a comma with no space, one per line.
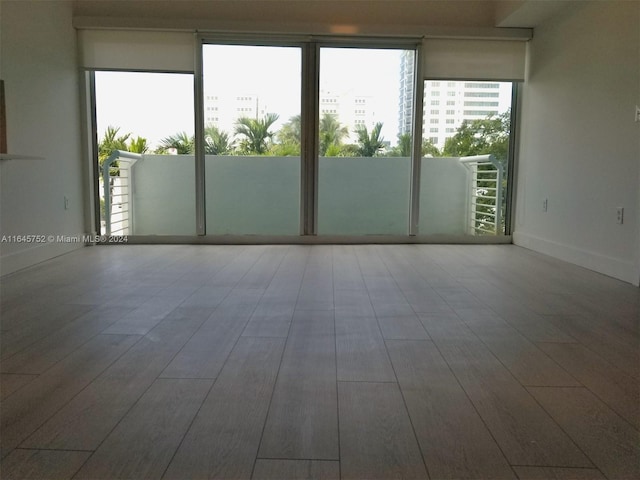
(485,194)
(117,188)
(154,195)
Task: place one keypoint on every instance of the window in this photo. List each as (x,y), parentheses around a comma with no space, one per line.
(447,204)
(152,114)
(252,153)
(364,165)
(482,94)
(323,175)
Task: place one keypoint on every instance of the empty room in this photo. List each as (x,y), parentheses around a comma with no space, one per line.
(319,239)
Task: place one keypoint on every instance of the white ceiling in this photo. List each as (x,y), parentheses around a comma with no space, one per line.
(425,13)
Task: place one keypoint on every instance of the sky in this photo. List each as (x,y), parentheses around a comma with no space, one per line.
(156,105)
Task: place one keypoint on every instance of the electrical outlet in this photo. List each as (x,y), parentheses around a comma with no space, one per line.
(545,204)
(620,215)
(66,203)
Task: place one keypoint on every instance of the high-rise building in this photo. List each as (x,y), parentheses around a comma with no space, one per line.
(405,98)
(448,103)
(222,111)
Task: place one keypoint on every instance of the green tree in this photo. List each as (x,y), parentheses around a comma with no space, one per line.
(370,144)
(403,149)
(138,145)
(183,143)
(429,149)
(332,132)
(216,142)
(288,138)
(111,141)
(290,133)
(481,137)
(256,136)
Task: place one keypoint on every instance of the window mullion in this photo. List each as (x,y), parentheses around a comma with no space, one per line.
(201,227)
(416,151)
(309,140)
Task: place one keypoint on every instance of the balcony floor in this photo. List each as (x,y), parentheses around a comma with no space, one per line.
(292,362)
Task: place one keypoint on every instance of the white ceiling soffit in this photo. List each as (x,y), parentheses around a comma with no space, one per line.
(465,18)
(528,13)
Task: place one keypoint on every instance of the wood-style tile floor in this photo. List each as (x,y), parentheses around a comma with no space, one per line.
(318,362)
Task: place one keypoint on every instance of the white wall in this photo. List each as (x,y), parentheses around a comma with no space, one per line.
(580,146)
(39,67)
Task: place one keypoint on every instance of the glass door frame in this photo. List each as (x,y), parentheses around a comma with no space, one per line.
(310,105)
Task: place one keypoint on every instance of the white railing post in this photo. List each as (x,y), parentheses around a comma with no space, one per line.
(478,219)
(120,187)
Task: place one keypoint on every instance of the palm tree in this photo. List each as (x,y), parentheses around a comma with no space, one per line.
(256,134)
(183,143)
(369,144)
(290,133)
(331,133)
(138,145)
(216,142)
(110,142)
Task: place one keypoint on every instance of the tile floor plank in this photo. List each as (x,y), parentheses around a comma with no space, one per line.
(529,364)
(144,441)
(376,437)
(346,269)
(611,443)
(28,331)
(87,420)
(402,327)
(224,438)
(303,420)
(9,383)
(360,350)
(614,387)
(598,335)
(536,328)
(28,408)
(274,312)
(296,470)
(453,438)
(51,349)
(24,464)
(206,351)
(558,473)
(523,430)
(316,289)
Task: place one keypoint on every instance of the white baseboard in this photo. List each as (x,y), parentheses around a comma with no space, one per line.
(627,271)
(28,257)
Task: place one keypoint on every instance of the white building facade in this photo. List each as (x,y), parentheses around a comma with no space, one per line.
(448,103)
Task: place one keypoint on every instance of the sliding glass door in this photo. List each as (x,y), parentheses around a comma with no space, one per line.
(145,165)
(252,137)
(315,137)
(465,157)
(364,133)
